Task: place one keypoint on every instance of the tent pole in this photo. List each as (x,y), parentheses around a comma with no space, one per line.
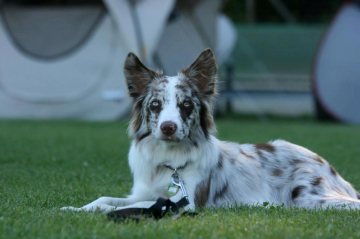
(139,36)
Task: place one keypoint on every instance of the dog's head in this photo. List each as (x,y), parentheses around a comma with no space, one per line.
(172,109)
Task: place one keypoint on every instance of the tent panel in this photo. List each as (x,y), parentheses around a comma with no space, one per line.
(337,71)
(72,88)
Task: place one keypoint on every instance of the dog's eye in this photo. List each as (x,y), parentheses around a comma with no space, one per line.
(187,104)
(155,103)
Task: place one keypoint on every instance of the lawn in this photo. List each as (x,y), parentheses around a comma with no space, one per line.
(48,165)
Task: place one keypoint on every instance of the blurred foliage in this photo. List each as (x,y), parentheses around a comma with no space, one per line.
(305,11)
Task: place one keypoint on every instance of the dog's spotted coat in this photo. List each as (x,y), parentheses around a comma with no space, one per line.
(217,173)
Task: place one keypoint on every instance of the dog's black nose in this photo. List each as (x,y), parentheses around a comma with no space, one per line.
(168,128)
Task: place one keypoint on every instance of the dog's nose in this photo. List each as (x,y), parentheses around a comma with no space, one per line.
(168,128)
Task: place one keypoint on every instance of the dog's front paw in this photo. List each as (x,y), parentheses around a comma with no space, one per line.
(70,208)
(101,208)
(91,208)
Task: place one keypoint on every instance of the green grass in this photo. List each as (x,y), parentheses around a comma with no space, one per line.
(47,165)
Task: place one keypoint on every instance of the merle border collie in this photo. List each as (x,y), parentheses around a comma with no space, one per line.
(173,128)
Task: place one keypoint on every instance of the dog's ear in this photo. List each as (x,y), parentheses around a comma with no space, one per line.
(204,72)
(137,75)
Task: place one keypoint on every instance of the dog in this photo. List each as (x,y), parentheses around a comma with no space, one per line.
(173,129)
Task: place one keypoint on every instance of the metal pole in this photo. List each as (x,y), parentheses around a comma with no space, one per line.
(283,11)
(139,36)
(250,11)
(229,88)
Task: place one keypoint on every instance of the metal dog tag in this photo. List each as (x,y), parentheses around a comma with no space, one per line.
(176,180)
(173,189)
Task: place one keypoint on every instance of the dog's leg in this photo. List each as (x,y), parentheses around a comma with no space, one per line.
(328,201)
(140,194)
(339,203)
(105,208)
(103,203)
(145,204)
(323,191)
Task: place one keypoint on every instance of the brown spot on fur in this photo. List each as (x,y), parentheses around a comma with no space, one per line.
(319,159)
(165,80)
(333,171)
(137,117)
(141,137)
(341,193)
(296,161)
(266,147)
(202,192)
(195,144)
(296,191)
(292,175)
(206,119)
(222,192)
(183,88)
(358,195)
(277,172)
(246,155)
(136,122)
(232,161)
(156,91)
(316,181)
(220,161)
(156,88)
(314,192)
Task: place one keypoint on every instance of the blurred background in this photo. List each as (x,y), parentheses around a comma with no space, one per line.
(63,59)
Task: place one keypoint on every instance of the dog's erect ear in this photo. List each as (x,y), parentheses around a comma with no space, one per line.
(204,72)
(137,75)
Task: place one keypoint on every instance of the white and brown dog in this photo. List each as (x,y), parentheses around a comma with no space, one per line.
(173,127)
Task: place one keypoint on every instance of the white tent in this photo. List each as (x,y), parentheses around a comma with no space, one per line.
(66,63)
(336,75)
